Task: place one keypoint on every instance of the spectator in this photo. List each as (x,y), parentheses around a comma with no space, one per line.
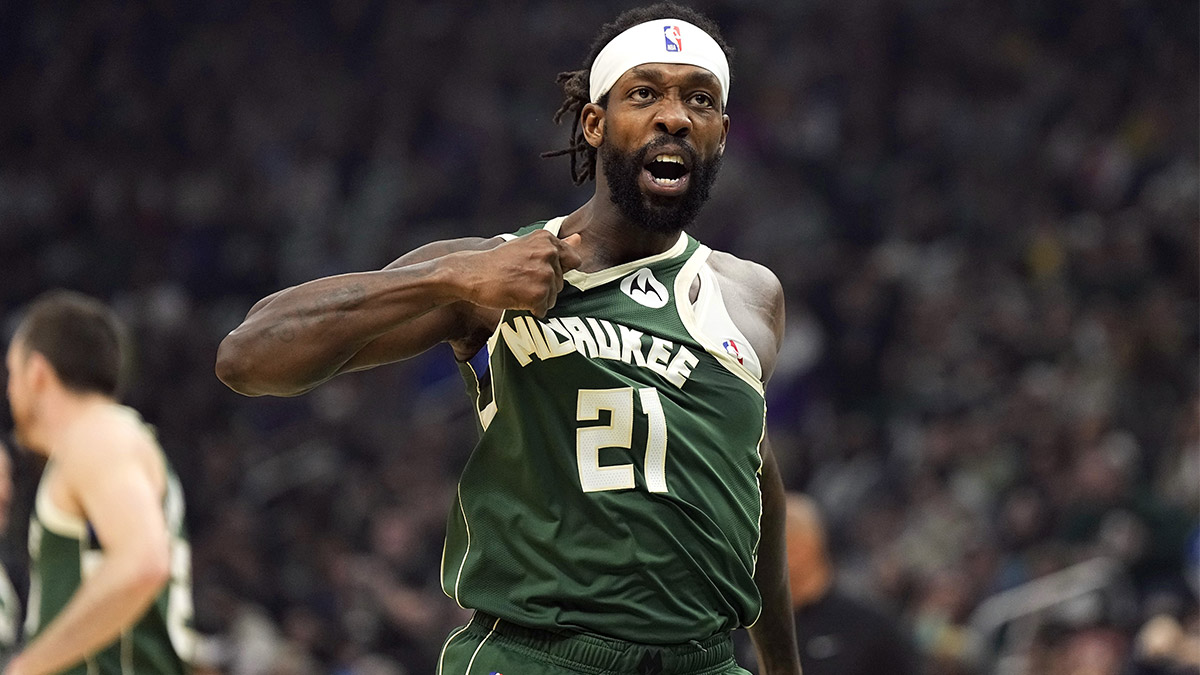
(837,632)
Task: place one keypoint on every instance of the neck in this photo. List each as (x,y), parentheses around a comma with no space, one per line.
(57,415)
(608,238)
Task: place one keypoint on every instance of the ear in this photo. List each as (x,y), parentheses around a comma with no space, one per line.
(40,372)
(591,120)
(724,134)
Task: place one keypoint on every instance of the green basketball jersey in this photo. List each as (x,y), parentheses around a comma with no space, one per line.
(64,550)
(10,611)
(614,488)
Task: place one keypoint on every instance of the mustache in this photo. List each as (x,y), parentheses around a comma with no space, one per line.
(662,141)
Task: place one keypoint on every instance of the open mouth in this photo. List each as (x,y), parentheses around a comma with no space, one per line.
(668,172)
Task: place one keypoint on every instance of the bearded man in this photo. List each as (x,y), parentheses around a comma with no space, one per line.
(622,511)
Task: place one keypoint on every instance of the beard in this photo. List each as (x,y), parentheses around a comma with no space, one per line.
(660,215)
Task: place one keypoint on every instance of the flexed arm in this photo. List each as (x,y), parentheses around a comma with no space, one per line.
(300,337)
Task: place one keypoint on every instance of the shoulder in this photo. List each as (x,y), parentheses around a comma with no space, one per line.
(754,281)
(105,439)
(754,298)
(754,275)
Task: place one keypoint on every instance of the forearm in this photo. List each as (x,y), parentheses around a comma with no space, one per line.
(109,601)
(774,634)
(304,335)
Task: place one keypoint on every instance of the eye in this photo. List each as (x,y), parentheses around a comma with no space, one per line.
(641,94)
(702,99)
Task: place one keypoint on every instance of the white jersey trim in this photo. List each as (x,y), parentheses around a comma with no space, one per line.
(485,420)
(442,656)
(481,644)
(489,411)
(53,517)
(466,551)
(712,314)
(711,307)
(586,280)
(758,542)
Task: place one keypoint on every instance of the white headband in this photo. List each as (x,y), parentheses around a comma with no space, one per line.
(658,41)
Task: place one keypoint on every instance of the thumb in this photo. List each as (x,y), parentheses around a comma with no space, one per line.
(568,255)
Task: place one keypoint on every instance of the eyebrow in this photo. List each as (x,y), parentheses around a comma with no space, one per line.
(694,77)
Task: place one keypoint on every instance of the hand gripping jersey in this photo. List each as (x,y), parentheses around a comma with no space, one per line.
(64,550)
(614,489)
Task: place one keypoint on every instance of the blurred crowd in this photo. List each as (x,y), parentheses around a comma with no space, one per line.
(984,216)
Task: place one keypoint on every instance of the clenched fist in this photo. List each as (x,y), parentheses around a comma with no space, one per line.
(524,273)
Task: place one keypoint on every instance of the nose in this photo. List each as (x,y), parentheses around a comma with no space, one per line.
(672,118)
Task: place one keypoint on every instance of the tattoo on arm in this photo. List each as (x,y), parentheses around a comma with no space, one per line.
(285,330)
(348,298)
(335,305)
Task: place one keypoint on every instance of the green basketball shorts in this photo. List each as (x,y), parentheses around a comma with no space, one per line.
(491,646)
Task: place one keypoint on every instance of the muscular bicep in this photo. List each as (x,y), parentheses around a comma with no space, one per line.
(463,325)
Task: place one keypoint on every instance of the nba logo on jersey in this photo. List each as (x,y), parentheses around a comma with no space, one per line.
(674,38)
(732,348)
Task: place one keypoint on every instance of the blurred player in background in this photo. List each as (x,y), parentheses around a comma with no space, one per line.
(110,587)
(838,634)
(622,511)
(10,604)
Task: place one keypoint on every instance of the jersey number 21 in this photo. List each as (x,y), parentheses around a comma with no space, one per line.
(618,433)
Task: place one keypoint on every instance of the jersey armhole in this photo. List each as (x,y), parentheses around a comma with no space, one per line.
(723,344)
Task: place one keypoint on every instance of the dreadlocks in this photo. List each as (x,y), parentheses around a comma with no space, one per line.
(575,83)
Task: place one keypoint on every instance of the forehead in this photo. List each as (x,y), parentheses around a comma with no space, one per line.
(677,74)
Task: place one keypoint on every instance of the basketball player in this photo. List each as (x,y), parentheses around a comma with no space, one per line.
(10,605)
(622,512)
(109,572)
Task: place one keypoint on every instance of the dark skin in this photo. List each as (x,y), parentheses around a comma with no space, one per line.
(455,291)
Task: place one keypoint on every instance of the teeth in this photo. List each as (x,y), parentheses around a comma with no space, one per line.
(674,159)
(666,181)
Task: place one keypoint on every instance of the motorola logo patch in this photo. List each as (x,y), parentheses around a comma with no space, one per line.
(645,289)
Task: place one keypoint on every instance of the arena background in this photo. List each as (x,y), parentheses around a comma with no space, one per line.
(984,215)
